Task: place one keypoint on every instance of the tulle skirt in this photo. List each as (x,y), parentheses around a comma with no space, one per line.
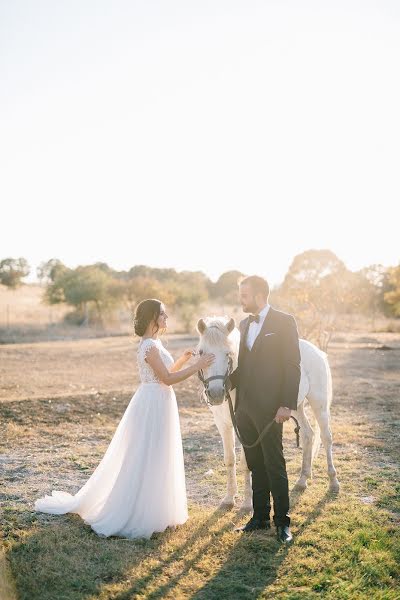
(139,486)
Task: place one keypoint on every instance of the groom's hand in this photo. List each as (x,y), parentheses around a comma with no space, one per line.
(283,414)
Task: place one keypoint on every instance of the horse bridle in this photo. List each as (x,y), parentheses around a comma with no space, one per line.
(206,381)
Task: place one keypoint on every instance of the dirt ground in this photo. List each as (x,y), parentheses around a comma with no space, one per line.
(74,367)
(60,403)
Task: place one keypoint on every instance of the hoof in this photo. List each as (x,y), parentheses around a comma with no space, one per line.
(334,487)
(246,507)
(300,485)
(226,504)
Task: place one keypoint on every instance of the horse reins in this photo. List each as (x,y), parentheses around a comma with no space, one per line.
(264,431)
(205,381)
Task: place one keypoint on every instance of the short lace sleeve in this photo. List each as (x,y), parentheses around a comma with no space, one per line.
(145,346)
(146,373)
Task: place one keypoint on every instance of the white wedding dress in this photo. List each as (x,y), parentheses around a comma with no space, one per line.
(139,486)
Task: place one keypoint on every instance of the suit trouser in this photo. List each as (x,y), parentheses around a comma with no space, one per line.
(267,465)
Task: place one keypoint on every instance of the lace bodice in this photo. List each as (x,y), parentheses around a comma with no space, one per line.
(146,372)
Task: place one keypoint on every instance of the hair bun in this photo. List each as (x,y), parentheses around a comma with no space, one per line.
(140,326)
(147,311)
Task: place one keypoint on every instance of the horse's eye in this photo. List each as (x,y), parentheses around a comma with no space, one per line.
(200,351)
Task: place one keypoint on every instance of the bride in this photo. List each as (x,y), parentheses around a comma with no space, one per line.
(139,485)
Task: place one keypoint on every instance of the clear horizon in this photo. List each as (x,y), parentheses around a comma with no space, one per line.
(200,136)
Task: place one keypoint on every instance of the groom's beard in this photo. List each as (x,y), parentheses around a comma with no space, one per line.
(250,308)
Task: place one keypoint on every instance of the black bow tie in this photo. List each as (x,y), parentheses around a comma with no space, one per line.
(255,318)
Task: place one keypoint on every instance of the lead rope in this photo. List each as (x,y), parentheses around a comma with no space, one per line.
(205,383)
(264,431)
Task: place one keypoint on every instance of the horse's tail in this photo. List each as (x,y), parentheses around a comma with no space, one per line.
(328,379)
(329,376)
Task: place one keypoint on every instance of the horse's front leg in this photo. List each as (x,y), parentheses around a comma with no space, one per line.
(247,504)
(228,440)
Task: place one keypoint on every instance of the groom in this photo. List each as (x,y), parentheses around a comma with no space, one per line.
(267,384)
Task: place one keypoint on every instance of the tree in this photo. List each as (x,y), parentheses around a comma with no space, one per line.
(316,289)
(49,270)
(374,283)
(139,288)
(313,266)
(81,287)
(392,297)
(226,287)
(152,272)
(104,267)
(12,270)
(189,296)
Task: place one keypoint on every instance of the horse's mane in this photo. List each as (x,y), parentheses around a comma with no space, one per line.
(216,335)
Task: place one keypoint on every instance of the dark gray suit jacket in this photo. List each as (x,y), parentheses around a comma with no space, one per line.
(268,376)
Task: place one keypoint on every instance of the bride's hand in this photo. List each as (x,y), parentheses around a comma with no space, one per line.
(187,355)
(205,360)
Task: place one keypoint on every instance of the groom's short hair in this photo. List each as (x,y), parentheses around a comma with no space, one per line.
(259,285)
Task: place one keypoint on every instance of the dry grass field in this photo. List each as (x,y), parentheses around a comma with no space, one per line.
(59,405)
(25,305)
(25,317)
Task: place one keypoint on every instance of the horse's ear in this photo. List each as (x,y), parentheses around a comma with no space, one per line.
(230,325)
(201,326)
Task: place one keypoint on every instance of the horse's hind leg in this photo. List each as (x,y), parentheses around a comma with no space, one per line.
(323,418)
(307,438)
(320,406)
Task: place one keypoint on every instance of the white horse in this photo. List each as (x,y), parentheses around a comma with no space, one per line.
(220,336)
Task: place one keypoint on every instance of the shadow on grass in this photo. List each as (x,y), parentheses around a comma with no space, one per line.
(318,508)
(253,562)
(65,559)
(180,555)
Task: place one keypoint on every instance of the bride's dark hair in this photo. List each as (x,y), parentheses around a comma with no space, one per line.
(146,311)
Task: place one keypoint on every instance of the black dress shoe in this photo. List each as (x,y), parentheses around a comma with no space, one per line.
(254,524)
(283,534)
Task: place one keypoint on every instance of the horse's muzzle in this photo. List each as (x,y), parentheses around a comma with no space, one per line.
(214,401)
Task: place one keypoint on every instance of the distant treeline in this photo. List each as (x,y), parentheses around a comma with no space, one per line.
(317,288)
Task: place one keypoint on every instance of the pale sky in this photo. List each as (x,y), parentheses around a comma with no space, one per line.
(201,135)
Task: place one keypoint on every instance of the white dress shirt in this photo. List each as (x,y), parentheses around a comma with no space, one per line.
(255,328)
